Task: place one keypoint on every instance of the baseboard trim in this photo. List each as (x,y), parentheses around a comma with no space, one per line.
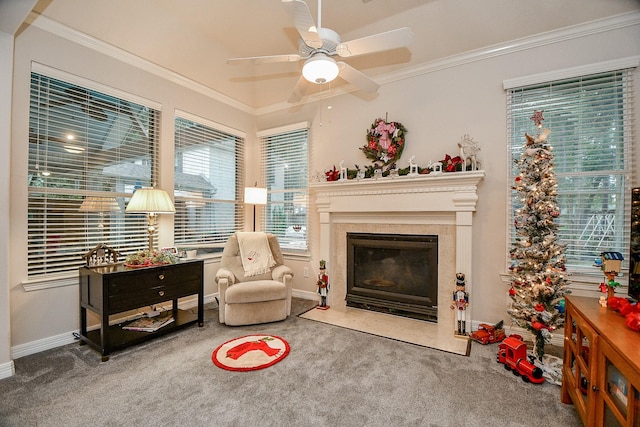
(37,346)
(7,370)
(305,295)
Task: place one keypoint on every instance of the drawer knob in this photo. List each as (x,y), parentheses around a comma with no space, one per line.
(161,293)
(594,388)
(161,277)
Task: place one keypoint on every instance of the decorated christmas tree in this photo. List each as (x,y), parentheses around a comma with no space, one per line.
(538,281)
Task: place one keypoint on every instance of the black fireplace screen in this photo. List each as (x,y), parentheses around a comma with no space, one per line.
(393,273)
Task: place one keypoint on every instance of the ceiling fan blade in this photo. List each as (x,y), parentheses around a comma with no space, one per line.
(303,21)
(376,43)
(298,92)
(356,78)
(294,57)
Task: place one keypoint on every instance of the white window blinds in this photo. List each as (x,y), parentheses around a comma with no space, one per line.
(88,150)
(285,165)
(591,122)
(209,178)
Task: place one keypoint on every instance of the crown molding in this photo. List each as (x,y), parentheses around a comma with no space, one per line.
(525,43)
(53,27)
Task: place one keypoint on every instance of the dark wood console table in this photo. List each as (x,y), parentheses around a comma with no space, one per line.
(110,290)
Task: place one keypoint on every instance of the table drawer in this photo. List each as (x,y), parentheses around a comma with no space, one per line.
(151,286)
(144,296)
(142,279)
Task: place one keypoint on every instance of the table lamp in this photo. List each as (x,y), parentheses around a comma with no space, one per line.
(151,201)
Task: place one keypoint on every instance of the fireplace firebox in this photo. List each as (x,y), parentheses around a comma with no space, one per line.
(393,273)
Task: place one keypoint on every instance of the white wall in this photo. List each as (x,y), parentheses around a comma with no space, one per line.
(437,107)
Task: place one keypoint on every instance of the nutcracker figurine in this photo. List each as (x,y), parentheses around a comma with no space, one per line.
(323,285)
(460,303)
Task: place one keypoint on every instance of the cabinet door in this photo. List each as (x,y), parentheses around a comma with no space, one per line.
(580,348)
(618,400)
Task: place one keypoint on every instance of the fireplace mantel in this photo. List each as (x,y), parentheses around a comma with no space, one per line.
(446,192)
(447,199)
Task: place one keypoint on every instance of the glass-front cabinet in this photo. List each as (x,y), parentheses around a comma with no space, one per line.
(601,369)
(619,395)
(579,343)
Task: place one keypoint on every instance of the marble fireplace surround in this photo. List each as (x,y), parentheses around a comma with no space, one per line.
(441,205)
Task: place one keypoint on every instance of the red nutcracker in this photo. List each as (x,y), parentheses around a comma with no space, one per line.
(460,302)
(323,285)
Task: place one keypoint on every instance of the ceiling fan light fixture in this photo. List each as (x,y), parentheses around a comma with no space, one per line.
(73,149)
(320,69)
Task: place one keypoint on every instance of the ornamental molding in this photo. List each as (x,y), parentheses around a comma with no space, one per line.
(446,192)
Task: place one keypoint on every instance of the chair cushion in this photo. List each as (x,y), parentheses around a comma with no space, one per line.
(255,291)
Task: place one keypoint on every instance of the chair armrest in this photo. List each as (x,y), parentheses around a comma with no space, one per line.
(280,271)
(224,273)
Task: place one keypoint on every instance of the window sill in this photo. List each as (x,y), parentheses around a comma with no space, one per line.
(584,284)
(50,282)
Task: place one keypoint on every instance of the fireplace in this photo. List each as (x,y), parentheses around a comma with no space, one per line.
(393,273)
(428,205)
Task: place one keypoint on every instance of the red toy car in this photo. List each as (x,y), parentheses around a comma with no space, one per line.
(488,334)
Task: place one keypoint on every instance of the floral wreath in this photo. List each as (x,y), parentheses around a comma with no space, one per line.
(385,142)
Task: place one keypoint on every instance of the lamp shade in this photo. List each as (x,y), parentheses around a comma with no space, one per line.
(320,69)
(99,204)
(255,196)
(150,200)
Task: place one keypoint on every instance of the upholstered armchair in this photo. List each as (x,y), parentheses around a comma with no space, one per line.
(251,299)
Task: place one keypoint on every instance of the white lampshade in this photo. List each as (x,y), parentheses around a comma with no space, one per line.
(320,69)
(255,196)
(150,200)
(99,204)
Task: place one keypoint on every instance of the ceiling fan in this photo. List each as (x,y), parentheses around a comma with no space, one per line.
(318,46)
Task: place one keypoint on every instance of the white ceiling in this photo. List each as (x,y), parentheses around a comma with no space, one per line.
(194,38)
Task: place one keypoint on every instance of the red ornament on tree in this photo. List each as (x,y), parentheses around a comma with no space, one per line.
(539,307)
(512,291)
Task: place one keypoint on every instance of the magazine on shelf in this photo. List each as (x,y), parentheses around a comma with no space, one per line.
(148,324)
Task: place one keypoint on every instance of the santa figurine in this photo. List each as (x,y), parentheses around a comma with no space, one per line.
(323,285)
(460,303)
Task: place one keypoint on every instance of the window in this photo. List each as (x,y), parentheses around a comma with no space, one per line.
(209,178)
(285,164)
(590,119)
(88,150)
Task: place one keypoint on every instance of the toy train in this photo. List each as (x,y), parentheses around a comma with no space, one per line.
(512,352)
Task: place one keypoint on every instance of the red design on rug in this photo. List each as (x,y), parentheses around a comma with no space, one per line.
(250,353)
(259,345)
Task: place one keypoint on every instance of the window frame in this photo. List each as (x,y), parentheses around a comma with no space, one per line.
(82,225)
(284,198)
(515,141)
(211,129)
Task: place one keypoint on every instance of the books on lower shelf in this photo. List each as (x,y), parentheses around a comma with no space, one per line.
(148,324)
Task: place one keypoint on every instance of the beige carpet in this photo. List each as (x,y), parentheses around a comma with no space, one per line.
(399,328)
